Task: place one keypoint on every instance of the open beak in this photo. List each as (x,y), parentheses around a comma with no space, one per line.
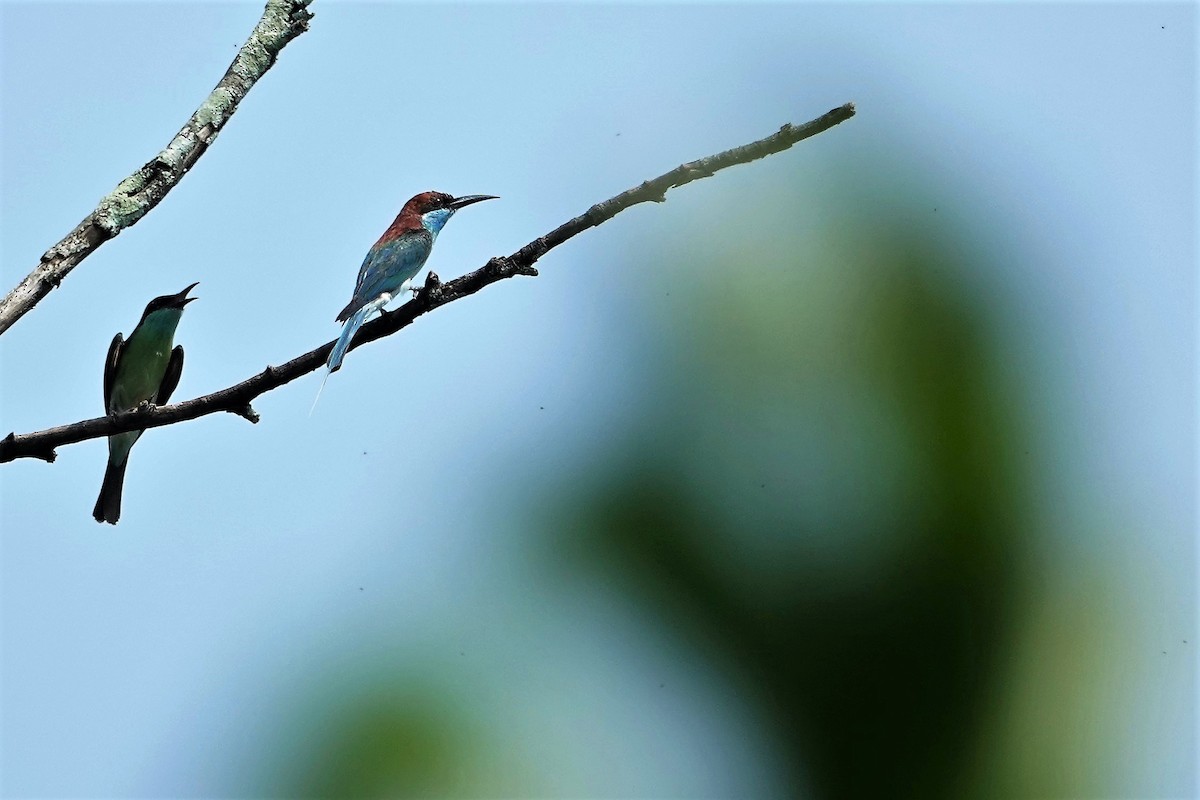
(466,200)
(182,299)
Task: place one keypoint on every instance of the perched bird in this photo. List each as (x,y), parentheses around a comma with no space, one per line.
(394,261)
(140,369)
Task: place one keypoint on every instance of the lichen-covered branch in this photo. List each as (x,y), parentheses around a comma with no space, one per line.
(237,399)
(282,21)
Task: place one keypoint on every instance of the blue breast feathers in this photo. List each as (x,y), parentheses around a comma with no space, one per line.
(387,267)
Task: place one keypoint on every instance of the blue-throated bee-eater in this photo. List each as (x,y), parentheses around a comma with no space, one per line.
(141,369)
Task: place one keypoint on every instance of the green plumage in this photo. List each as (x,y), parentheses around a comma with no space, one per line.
(144,368)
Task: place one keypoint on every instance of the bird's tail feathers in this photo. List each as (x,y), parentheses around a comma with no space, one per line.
(318,397)
(336,355)
(108,504)
(353,323)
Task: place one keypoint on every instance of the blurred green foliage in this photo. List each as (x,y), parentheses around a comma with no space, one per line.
(825,489)
(835,436)
(387,747)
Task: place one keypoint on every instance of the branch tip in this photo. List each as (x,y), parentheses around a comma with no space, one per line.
(246,412)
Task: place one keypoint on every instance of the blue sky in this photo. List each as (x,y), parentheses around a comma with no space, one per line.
(1063,135)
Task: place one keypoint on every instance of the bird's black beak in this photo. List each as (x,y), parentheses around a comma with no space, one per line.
(466,200)
(180,300)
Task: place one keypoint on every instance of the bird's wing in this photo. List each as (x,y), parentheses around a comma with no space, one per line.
(387,266)
(170,377)
(110,366)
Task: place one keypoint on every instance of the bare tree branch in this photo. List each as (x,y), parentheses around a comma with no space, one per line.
(236,399)
(282,21)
